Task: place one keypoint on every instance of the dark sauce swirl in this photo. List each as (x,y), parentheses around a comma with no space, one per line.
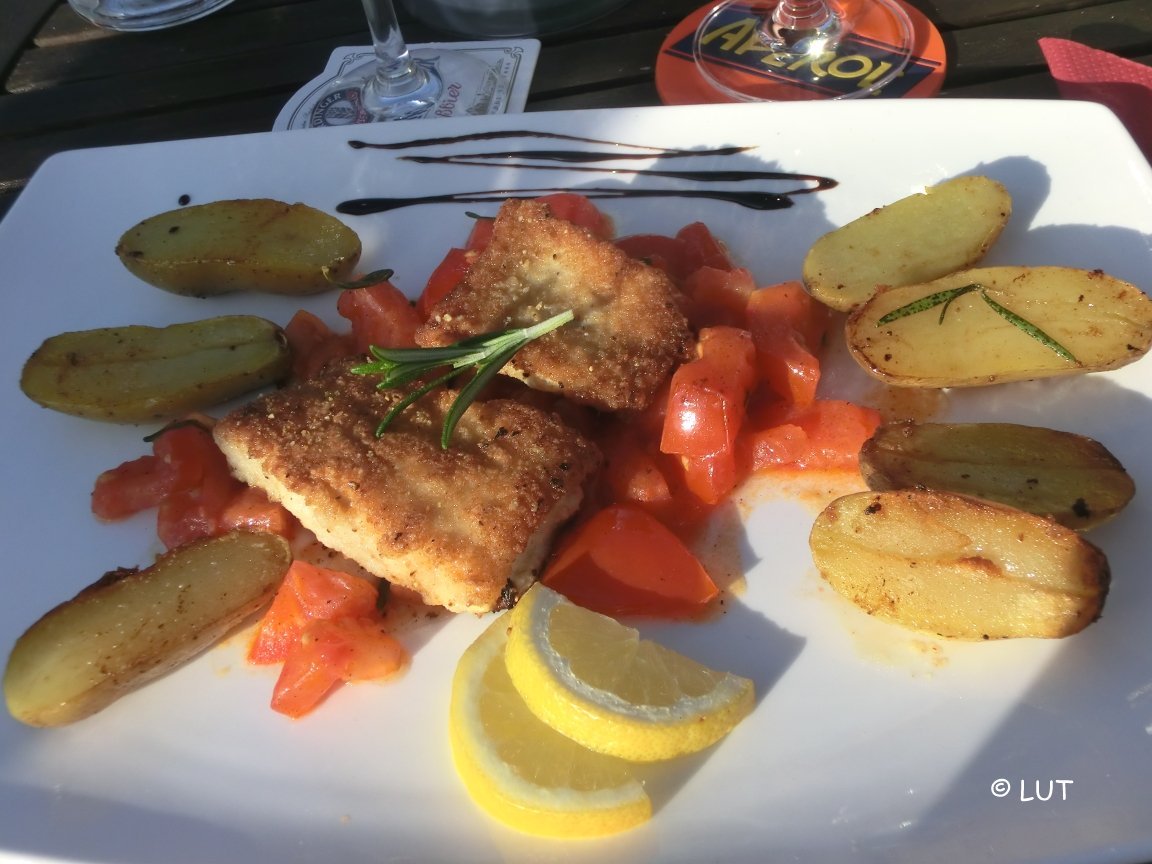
(523,160)
(652,151)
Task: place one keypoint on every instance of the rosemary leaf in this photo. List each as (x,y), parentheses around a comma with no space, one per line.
(926,303)
(1029,328)
(486,353)
(945,298)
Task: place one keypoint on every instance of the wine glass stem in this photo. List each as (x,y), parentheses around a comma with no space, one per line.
(795,20)
(396,74)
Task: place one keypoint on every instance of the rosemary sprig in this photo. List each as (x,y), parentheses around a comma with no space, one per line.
(945,298)
(486,353)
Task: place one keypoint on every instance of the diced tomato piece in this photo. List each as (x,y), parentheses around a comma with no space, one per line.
(201,488)
(193,514)
(777,446)
(790,303)
(250,509)
(481,234)
(718,297)
(579,210)
(789,369)
(444,278)
(377,653)
(632,474)
(312,667)
(190,453)
(381,315)
(706,409)
(622,561)
(332,651)
(133,486)
(825,435)
(281,626)
(658,250)
(313,344)
(307,593)
(702,248)
(788,327)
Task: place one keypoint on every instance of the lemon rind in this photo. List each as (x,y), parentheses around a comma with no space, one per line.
(508,797)
(603,721)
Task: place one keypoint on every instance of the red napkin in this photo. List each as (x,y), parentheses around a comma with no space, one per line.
(1093,75)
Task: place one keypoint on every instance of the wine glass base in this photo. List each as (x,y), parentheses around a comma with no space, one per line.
(141,15)
(448,82)
(737,53)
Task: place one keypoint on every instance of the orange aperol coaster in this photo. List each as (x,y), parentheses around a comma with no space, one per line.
(733,47)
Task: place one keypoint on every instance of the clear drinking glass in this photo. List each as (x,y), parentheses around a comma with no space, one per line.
(399,84)
(795,48)
(134,15)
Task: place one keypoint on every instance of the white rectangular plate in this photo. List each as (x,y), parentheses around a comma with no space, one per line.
(868,743)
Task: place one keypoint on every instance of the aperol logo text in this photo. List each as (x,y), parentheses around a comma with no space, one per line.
(733,41)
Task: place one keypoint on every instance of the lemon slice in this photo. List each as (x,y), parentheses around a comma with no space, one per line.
(596,681)
(523,773)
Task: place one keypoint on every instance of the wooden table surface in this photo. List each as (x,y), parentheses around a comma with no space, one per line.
(69,85)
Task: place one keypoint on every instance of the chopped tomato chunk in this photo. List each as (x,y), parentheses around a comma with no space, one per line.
(136,485)
(313,344)
(308,592)
(444,278)
(702,248)
(250,509)
(193,514)
(381,315)
(788,327)
(623,561)
(718,297)
(579,210)
(658,250)
(324,626)
(706,410)
(481,234)
(827,435)
(330,652)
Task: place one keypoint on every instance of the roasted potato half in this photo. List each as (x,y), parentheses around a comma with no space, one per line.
(947,227)
(959,567)
(138,374)
(996,324)
(253,244)
(1070,478)
(133,626)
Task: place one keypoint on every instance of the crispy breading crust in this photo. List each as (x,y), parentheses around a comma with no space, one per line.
(459,526)
(628,333)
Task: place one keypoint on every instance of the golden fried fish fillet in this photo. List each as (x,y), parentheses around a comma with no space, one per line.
(628,333)
(467,528)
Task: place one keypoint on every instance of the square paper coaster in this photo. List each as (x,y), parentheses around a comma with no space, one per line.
(504,92)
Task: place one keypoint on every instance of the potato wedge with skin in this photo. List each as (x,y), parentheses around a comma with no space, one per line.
(133,626)
(959,567)
(1070,478)
(138,374)
(992,325)
(256,244)
(947,227)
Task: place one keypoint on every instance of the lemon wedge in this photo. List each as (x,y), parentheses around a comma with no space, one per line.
(597,682)
(520,771)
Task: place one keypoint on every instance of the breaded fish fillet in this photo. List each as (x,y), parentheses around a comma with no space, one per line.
(628,333)
(463,527)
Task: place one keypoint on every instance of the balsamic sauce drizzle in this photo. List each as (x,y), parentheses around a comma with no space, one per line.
(568,156)
(745,198)
(752,199)
(707,176)
(657,152)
